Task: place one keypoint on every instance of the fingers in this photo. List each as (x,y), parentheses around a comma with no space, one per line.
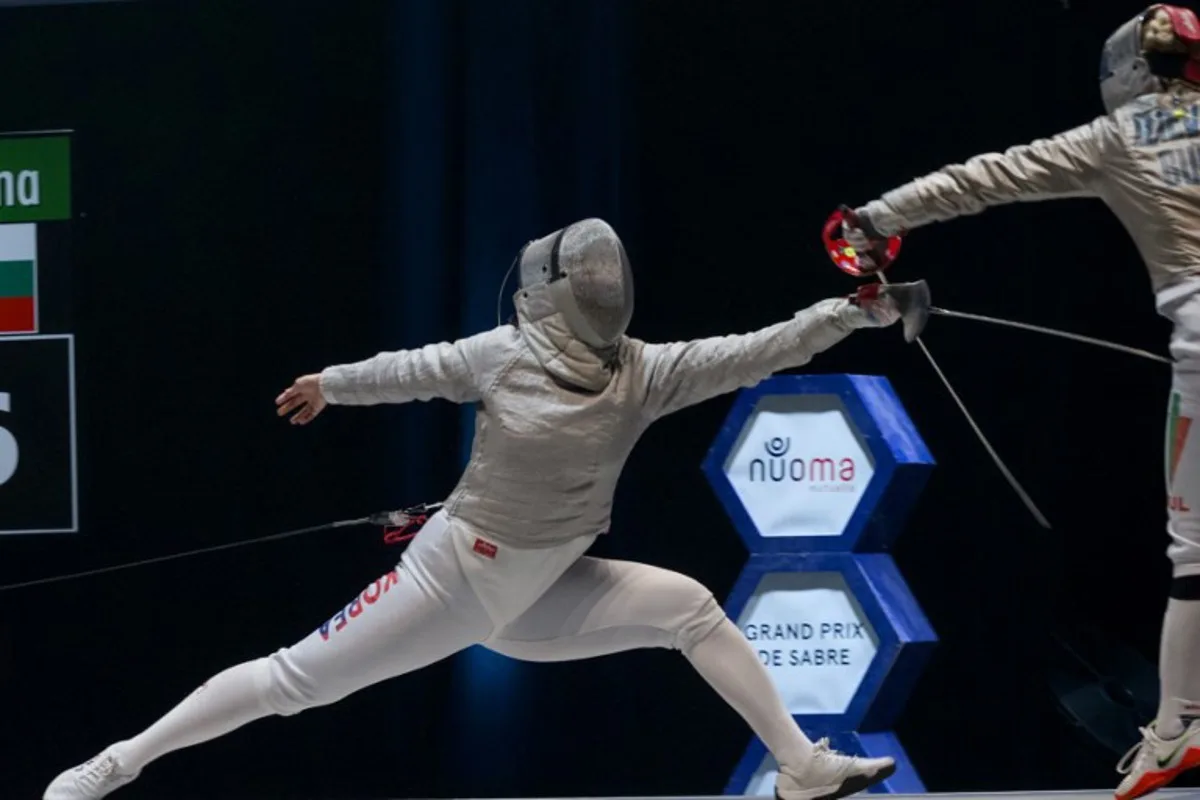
(303,412)
(306,414)
(305,385)
(290,405)
(287,394)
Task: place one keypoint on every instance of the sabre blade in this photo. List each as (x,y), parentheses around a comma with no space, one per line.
(1004,470)
(1012,480)
(1076,337)
(345,523)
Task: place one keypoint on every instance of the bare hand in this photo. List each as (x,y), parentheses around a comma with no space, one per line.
(304,397)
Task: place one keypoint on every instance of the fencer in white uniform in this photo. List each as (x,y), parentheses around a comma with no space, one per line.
(562,397)
(1143,160)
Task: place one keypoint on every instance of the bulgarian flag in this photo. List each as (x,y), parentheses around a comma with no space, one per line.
(18,278)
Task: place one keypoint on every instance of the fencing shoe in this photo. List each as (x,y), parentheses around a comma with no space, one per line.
(830,775)
(91,780)
(1154,762)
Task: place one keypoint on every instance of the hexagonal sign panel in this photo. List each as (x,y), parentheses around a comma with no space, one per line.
(813,637)
(799,466)
(755,774)
(841,636)
(818,463)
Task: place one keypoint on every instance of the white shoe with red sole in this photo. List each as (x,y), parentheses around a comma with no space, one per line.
(1154,762)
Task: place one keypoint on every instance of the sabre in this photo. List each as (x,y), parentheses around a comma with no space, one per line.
(1004,470)
(1077,337)
(844,256)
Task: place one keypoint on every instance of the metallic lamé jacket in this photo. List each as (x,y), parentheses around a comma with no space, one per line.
(1143,161)
(556,421)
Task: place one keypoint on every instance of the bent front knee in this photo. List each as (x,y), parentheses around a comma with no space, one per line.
(703,615)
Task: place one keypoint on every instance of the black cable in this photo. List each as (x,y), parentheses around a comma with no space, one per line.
(345,523)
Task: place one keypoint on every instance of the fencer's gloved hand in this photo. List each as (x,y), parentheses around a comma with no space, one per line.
(884,304)
(874,307)
(867,242)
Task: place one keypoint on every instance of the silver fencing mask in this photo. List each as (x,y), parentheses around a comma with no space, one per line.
(1124,71)
(585,273)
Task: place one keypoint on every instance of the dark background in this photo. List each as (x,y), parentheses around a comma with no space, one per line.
(266,188)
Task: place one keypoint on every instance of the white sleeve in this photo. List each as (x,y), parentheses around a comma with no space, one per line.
(679,374)
(1067,165)
(454,371)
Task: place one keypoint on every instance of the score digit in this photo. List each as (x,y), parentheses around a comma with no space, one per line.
(10,454)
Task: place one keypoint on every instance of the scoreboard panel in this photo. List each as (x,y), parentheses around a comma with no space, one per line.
(38,441)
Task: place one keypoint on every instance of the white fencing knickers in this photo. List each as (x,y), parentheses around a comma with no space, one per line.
(455,588)
(1182,450)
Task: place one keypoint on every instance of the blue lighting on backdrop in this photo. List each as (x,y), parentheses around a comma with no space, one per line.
(537,133)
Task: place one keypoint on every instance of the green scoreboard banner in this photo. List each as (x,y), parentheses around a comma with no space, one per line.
(35,178)
(38,469)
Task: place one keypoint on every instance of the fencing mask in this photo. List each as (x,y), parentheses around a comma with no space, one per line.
(1156,45)
(585,274)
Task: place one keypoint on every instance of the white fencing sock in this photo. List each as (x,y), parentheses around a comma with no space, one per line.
(226,703)
(727,661)
(1179,666)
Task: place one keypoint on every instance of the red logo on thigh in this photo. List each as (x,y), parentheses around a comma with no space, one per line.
(485,549)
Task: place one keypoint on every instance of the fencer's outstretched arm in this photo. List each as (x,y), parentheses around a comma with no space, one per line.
(453,371)
(679,374)
(1066,165)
